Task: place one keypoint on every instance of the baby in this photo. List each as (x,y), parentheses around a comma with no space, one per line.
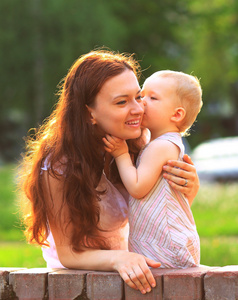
(161,223)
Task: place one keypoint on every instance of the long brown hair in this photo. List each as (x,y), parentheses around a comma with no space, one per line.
(67,139)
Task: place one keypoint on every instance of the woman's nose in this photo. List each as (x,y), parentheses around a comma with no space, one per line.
(137,108)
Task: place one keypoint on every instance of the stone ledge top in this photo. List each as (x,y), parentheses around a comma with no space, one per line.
(157,272)
(199,283)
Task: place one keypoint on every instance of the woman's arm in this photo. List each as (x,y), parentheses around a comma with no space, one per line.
(177,172)
(132,267)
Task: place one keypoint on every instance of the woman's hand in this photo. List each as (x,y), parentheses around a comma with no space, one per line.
(182,176)
(132,267)
(134,270)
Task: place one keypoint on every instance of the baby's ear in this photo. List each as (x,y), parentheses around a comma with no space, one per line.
(179,114)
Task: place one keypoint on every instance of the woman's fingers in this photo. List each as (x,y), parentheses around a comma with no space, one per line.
(187,159)
(183,177)
(176,183)
(134,278)
(181,184)
(134,270)
(179,171)
(126,277)
(180,166)
(144,276)
(138,280)
(141,278)
(152,263)
(178,179)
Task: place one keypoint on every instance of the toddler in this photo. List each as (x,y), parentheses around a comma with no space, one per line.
(161,223)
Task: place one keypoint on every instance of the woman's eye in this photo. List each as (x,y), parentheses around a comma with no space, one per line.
(153,98)
(121,102)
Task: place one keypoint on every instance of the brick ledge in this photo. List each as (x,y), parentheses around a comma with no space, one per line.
(194,283)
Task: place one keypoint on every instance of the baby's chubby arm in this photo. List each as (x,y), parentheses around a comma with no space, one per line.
(139,181)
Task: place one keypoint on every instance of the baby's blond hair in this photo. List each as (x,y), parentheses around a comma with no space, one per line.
(190,94)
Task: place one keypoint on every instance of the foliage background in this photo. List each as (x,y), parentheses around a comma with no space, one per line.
(40,39)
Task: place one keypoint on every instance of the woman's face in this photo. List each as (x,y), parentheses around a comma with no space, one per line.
(118,108)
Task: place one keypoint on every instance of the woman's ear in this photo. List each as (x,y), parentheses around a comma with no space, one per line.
(91,115)
(178,115)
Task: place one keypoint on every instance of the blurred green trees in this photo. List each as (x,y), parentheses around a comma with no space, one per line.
(40,39)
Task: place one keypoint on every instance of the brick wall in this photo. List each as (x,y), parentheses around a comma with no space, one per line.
(209,283)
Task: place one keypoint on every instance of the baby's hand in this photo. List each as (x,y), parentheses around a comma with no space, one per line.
(115,146)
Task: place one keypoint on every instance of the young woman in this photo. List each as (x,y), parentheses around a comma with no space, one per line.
(76,201)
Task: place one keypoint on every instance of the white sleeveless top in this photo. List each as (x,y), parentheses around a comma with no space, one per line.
(113,217)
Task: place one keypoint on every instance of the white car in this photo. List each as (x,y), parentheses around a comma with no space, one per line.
(217,159)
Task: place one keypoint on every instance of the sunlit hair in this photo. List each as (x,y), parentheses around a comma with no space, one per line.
(189,91)
(73,150)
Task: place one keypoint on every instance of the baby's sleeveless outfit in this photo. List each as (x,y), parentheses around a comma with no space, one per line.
(113,217)
(161,224)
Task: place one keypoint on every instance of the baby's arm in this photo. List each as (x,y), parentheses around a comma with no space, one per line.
(115,146)
(140,181)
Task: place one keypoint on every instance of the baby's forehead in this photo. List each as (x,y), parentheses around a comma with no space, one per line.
(156,80)
(150,79)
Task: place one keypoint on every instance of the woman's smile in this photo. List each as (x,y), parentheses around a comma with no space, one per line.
(134,123)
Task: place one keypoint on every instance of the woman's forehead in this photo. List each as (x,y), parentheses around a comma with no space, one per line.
(122,84)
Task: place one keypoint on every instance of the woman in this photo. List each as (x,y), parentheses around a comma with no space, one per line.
(75,197)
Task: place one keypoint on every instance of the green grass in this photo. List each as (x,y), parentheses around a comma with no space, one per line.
(9,216)
(20,254)
(215,210)
(219,251)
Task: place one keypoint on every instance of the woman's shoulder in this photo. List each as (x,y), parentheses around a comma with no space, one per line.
(59,166)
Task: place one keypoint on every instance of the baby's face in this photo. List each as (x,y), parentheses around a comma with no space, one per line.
(160,88)
(160,100)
